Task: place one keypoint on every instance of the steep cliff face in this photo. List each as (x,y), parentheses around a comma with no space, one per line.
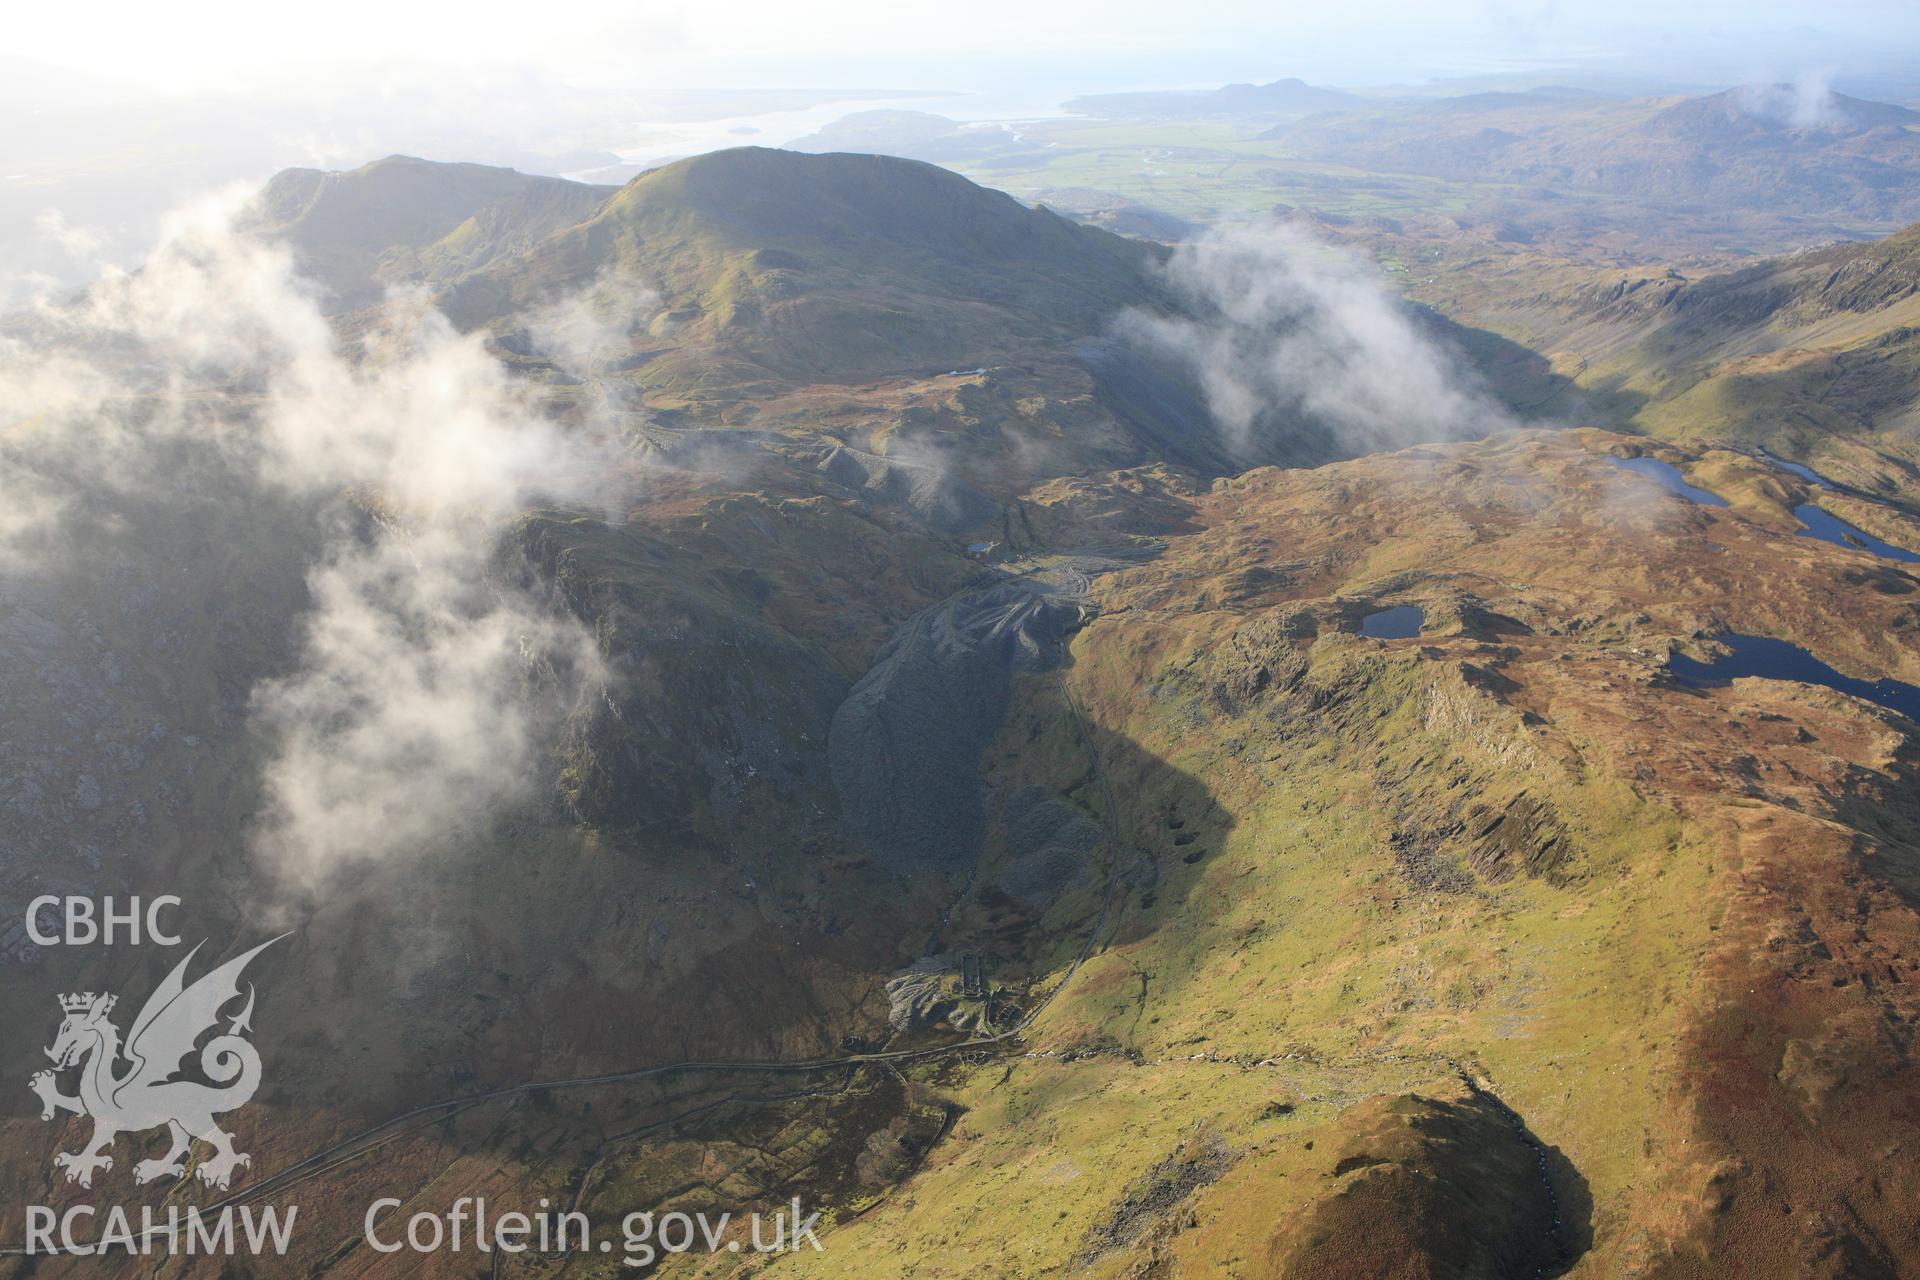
(1811,355)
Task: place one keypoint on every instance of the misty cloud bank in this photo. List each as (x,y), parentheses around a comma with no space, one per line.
(1808,102)
(1283,330)
(424,680)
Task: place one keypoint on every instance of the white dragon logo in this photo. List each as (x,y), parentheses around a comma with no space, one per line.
(146,1095)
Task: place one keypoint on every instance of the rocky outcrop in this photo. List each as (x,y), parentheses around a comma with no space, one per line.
(1440,1186)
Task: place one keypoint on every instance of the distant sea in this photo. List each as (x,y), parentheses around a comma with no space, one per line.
(656,142)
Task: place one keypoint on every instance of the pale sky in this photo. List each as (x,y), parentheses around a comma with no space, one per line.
(202,44)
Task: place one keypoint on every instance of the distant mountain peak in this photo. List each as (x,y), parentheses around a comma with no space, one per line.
(765,195)
(1804,106)
(1284,97)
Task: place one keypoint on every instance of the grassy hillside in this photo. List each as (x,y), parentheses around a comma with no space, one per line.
(403,221)
(774,266)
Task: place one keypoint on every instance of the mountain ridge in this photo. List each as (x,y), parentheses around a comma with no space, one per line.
(1852,159)
(400,220)
(922,266)
(1287,96)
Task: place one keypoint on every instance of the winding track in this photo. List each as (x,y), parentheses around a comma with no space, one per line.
(348,1149)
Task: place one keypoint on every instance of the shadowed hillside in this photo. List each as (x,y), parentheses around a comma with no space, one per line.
(403,221)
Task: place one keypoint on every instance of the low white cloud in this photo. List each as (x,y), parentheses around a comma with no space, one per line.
(1282,330)
(421,697)
(424,680)
(1805,102)
(591,330)
(588,335)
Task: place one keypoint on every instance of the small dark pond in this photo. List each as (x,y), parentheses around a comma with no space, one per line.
(1397,623)
(1778,660)
(1828,527)
(1668,477)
